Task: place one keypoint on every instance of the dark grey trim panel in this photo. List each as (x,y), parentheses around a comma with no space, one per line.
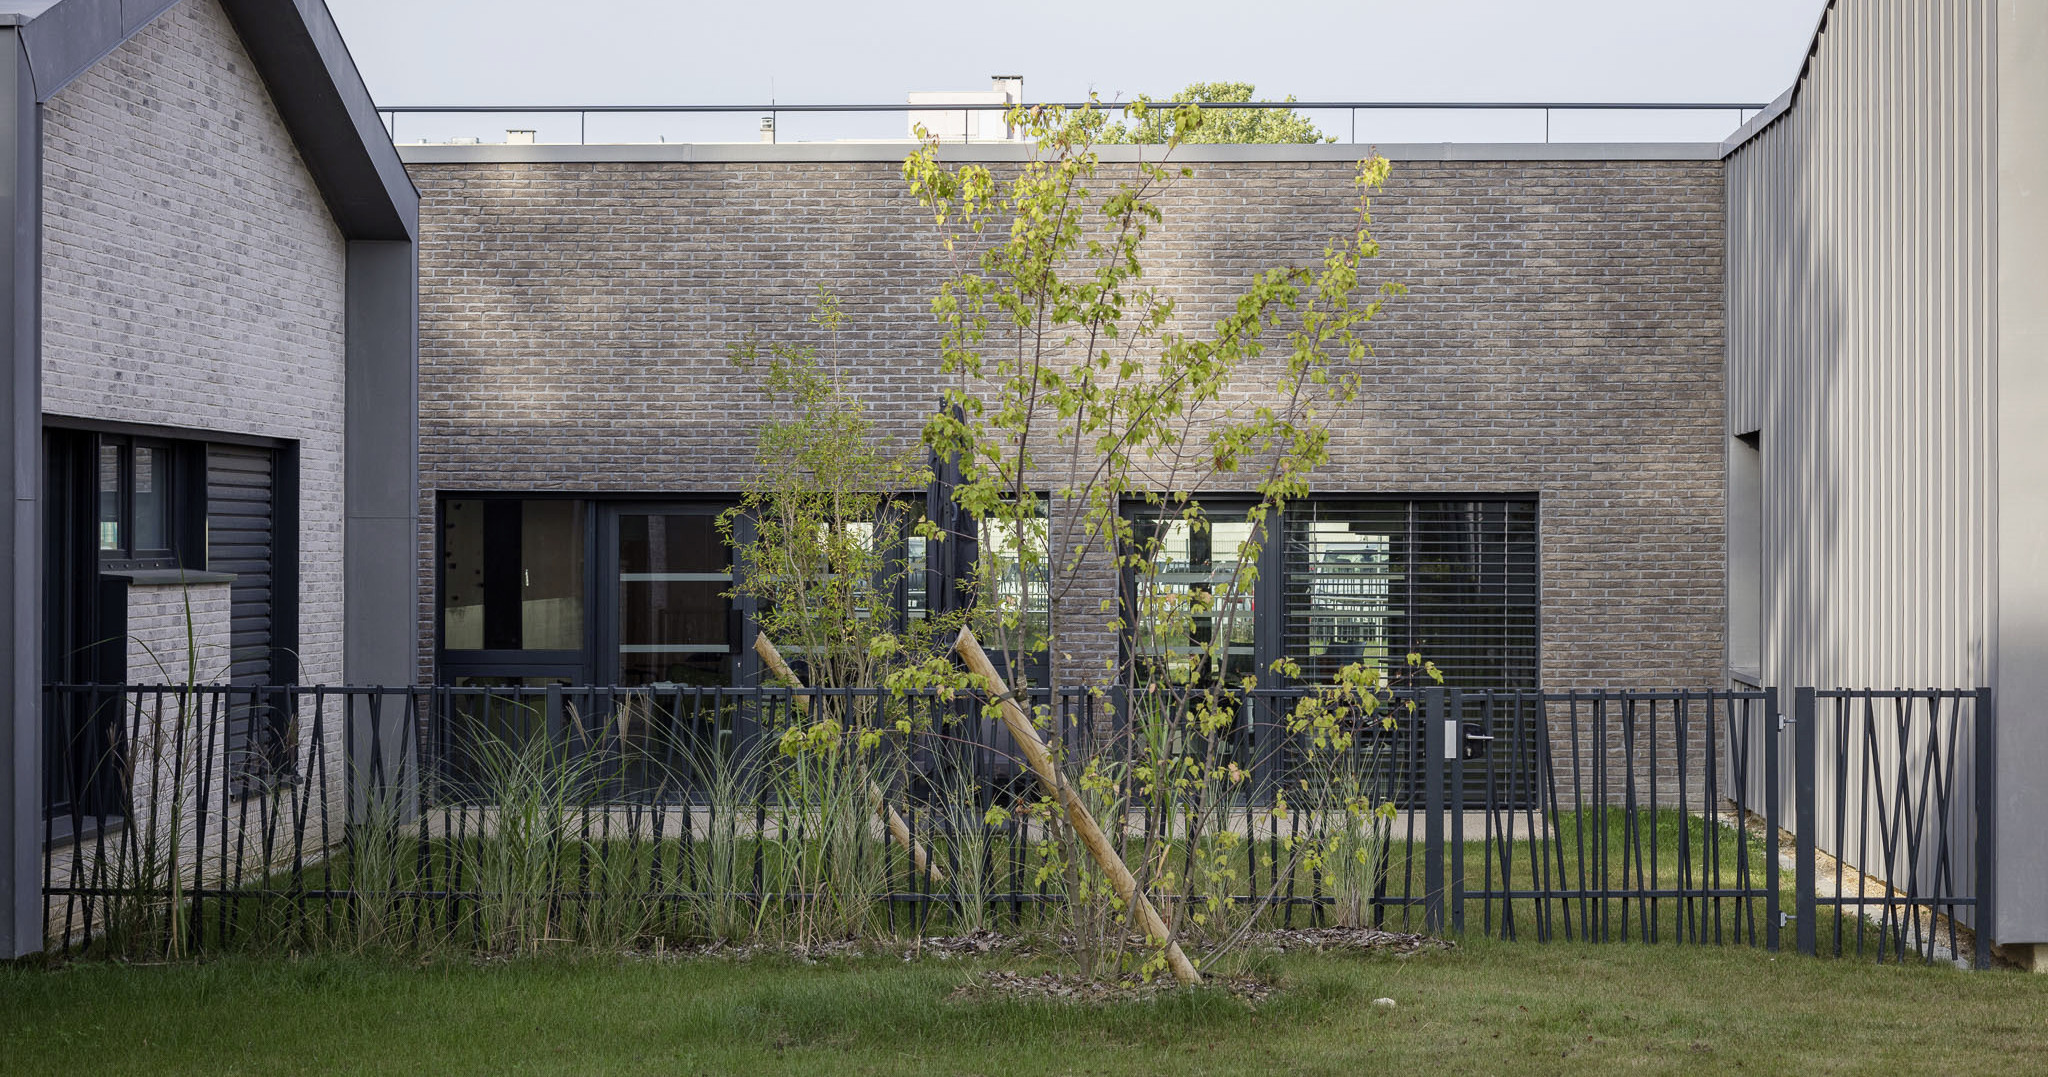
(380,540)
(73,35)
(168,577)
(314,83)
(153,430)
(21,630)
(298,52)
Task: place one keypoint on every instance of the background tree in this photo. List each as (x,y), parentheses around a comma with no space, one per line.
(1161,125)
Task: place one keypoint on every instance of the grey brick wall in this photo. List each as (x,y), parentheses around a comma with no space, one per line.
(1562,336)
(192,276)
(159,649)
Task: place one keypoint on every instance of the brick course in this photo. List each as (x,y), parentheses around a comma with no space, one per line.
(1562,336)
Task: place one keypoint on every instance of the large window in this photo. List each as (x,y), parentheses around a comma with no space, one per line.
(1452,581)
(1349,581)
(512,575)
(575,591)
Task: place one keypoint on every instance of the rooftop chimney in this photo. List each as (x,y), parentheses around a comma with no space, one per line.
(1012,89)
(518,137)
(767,128)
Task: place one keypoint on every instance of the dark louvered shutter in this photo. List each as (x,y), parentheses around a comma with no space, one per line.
(242,528)
(1452,581)
(1374,581)
(241,538)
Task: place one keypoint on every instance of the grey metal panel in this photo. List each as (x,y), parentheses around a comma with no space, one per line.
(1860,345)
(21,736)
(2019,221)
(380,544)
(67,37)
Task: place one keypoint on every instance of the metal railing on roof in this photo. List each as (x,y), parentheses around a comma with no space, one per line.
(772,111)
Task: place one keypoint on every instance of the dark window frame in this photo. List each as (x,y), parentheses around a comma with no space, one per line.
(1270,594)
(184,502)
(566,666)
(94,589)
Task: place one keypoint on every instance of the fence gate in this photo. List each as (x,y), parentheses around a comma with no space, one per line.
(1861,819)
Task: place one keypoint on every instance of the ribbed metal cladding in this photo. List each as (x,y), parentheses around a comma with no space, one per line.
(1860,343)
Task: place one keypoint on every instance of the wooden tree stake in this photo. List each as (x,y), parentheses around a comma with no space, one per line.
(898,829)
(1078,815)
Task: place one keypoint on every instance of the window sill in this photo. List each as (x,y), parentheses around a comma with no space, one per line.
(169,577)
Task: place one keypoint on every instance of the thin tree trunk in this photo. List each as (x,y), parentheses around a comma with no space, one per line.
(1078,815)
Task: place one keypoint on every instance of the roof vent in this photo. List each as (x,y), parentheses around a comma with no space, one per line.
(982,123)
(518,137)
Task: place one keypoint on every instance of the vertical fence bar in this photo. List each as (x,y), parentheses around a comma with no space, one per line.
(1773,906)
(1435,744)
(1804,730)
(1984,786)
(1454,804)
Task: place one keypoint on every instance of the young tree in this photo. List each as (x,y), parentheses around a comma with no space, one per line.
(825,551)
(1080,407)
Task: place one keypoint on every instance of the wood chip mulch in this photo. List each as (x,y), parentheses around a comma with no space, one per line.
(993,943)
(1064,987)
(1327,939)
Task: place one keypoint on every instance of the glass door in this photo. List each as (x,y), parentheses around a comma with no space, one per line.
(671,576)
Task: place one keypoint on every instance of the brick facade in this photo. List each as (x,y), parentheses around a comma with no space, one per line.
(1562,336)
(193,277)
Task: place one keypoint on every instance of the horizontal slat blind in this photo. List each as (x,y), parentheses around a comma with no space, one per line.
(1453,581)
(241,537)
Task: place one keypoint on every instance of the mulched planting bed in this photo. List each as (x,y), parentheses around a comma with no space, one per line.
(992,943)
(1063,987)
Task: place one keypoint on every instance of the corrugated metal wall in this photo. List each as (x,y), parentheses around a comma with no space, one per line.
(1861,343)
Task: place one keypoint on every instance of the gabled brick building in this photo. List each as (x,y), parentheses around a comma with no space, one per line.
(209,308)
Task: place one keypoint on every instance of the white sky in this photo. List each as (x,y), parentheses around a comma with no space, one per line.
(580,52)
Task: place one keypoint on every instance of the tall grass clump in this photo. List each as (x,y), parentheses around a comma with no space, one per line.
(536,792)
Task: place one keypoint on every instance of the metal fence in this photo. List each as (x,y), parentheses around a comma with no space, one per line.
(1339,118)
(1692,817)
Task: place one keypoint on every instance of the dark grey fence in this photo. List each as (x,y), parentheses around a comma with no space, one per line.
(1603,816)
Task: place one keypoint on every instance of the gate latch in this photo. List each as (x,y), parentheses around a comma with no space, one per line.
(1473,740)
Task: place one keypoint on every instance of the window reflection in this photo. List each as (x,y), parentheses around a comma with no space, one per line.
(1195,604)
(110,497)
(675,572)
(512,575)
(152,507)
(1345,588)
(1016,572)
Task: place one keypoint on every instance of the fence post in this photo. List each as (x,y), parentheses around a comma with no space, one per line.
(1452,728)
(1804,727)
(1434,745)
(1987,823)
(1773,906)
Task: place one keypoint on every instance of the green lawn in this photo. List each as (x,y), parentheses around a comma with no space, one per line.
(1488,1007)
